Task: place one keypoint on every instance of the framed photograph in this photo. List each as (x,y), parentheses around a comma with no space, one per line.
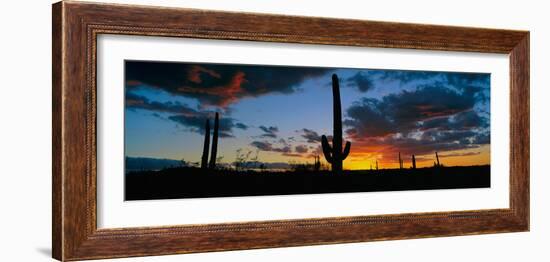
(182,130)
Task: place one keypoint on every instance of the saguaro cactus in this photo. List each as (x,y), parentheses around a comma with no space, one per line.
(413,162)
(437,157)
(317,163)
(334,155)
(400,161)
(214,151)
(204,160)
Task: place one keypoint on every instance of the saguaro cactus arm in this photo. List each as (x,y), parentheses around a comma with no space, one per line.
(327,149)
(347,148)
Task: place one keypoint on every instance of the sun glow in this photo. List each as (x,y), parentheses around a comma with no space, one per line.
(469,157)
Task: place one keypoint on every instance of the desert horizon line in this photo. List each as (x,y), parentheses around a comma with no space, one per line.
(381,165)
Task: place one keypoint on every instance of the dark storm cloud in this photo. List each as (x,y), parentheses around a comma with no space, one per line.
(463,120)
(197,123)
(428,144)
(424,108)
(310,135)
(368,79)
(403,76)
(430,118)
(216,84)
(262,145)
(301,149)
(441,123)
(134,101)
(368,119)
(469,119)
(241,126)
(270,132)
(284,148)
(454,136)
(426,102)
(192,119)
(466,80)
(361,80)
(267,146)
(282,141)
(482,138)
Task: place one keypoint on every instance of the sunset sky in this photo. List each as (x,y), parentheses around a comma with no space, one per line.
(279,113)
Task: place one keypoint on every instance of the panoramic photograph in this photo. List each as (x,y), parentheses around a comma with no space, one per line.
(198,130)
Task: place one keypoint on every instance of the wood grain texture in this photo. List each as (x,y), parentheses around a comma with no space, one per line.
(76,26)
(519,129)
(57,195)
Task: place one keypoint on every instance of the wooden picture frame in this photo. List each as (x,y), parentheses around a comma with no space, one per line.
(76,26)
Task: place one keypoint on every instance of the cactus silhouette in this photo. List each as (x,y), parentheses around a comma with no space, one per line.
(413,162)
(317,163)
(204,160)
(400,161)
(437,157)
(334,155)
(214,152)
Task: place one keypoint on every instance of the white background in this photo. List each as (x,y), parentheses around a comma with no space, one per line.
(25,136)
(113,212)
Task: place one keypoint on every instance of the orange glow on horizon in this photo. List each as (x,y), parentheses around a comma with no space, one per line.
(468,157)
(389,160)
